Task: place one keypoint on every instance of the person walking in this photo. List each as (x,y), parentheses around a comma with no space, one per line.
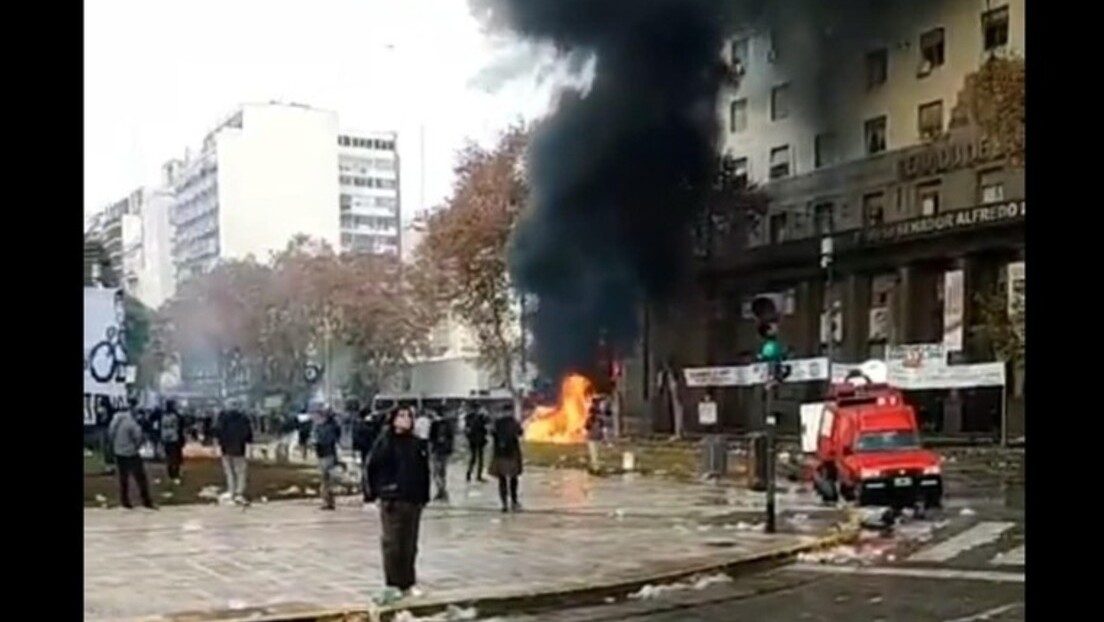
(442,435)
(304,430)
(398,477)
(125,438)
(367,430)
(327,434)
(475,430)
(234,433)
(594,429)
(506,459)
(172,439)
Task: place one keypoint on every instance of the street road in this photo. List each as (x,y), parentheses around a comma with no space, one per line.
(964,564)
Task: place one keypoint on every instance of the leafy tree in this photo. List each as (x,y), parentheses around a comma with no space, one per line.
(994,100)
(464,249)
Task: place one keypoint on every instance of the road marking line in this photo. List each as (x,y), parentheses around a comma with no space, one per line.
(919,573)
(989,613)
(1015,557)
(978,535)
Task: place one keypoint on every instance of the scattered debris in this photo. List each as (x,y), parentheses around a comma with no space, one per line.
(609,600)
(88,453)
(310,492)
(264,499)
(209,492)
(157,480)
(167,494)
(236,604)
(101,499)
(967,512)
(290,490)
(650,591)
(191,525)
(874,600)
(451,614)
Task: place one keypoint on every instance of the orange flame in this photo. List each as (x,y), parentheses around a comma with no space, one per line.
(566,423)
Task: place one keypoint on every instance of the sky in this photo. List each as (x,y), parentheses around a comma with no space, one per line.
(159,75)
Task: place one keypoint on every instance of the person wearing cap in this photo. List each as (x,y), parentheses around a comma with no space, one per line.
(125,438)
(398,477)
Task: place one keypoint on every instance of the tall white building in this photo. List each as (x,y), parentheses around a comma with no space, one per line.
(272,171)
(369,184)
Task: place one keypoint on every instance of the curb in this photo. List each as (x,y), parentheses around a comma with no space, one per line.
(529,602)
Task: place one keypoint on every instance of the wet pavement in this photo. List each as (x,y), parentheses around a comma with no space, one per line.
(575,531)
(962,564)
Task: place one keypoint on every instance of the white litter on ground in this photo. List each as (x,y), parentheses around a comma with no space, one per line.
(451,614)
(649,592)
(101,499)
(290,490)
(310,492)
(967,512)
(236,604)
(209,492)
(191,525)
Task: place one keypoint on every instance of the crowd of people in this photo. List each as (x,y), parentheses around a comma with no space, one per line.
(404,454)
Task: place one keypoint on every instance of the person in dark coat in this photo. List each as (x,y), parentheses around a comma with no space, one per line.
(475,429)
(368,428)
(326,437)
(125,437)
(442,436)
(234,433)
(506,459)
(594,427)
(172,440)
(305,426)
(398,477)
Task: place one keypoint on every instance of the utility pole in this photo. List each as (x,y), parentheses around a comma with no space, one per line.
(772,354)
(827,261)
(768,404)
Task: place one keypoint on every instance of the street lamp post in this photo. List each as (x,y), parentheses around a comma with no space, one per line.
(827,261)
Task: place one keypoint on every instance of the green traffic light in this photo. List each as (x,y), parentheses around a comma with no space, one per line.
(771,350)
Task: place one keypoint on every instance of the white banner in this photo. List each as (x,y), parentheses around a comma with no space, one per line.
(928,377)
(954,284)
(105,357)
(916,355)
(802,370)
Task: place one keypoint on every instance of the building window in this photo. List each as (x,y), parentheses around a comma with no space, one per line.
(994,28)
(927,197)
(824,149)
(874,209)
(780,162)
(822,218)
(991,186)
(738,54)
(780,102)
(874,133)
(778,227)
(740,171)
(930,120)
(877,67)
(931,51)
(737,116)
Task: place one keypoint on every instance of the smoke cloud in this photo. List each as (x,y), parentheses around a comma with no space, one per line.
(619,170)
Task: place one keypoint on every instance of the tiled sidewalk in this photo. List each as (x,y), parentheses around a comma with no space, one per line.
(576,530)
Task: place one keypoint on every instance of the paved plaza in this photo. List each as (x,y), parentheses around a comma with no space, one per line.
(576,530)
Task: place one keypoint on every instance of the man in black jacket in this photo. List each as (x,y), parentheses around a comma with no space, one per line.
(234,432)
(441,438)
(326,437)
(398,476)
(475,429)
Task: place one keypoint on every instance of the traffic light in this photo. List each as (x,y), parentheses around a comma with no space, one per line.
(766,318)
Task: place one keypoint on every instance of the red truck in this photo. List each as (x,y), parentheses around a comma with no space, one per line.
(868,450)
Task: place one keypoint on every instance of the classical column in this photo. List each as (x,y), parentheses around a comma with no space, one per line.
(856,318)
(901,320)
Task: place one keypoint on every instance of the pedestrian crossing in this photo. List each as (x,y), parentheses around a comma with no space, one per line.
(1015,557)
(980,534)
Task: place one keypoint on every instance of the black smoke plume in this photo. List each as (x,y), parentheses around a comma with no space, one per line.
(618,172)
